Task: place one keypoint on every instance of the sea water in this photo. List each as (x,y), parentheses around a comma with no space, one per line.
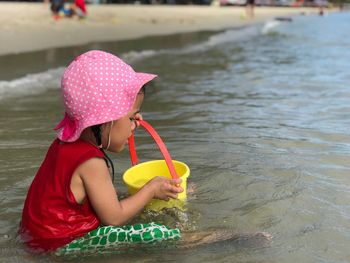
(260,114)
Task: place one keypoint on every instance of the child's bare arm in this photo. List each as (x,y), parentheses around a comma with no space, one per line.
(102,195)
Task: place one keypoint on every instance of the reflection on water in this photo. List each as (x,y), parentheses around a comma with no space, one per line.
(260,117)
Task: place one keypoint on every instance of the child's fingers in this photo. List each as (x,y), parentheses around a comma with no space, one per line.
(176,182)
(173,195)
(176,189)
(138,116)
(136,123)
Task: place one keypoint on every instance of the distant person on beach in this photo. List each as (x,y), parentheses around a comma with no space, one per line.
(56,7)
(60,9)
(322,4)
(80,8)
(250,5)
(72,205)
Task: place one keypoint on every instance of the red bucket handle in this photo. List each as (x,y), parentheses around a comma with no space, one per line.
(160,144)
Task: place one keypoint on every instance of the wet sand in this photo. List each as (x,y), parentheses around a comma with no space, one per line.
(28,27)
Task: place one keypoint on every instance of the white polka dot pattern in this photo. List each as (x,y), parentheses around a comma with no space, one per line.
(97,87)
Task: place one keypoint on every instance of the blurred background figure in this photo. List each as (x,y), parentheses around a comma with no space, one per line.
(322,4)
(56,7)
(60,9)
(80,8)
(250,4)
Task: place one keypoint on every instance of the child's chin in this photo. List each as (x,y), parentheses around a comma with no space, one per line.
(116,149)
(119,149)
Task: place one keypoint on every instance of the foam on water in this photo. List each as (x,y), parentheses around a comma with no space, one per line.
(222,38)
(134,56)
(31,83)
(269,27)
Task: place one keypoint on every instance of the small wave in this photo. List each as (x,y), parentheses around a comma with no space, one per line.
(31,83)
(133,56)
(234,35)
(228,36)
(269,26)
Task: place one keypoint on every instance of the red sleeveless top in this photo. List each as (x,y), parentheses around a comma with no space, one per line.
(51,216)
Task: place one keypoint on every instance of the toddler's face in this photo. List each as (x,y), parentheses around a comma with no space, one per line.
(123,127)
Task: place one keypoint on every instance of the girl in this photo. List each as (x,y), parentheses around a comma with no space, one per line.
(72,194)
(71,204)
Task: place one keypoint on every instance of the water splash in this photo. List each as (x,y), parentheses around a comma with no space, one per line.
(31,83)
(222,38)
(134,56)
(269,27)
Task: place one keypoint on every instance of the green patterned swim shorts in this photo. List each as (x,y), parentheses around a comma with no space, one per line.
(110,237)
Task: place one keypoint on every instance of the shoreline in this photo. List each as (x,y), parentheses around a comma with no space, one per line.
(26,27)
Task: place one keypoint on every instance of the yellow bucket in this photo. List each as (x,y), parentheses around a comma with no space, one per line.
(140,174)
(137,176)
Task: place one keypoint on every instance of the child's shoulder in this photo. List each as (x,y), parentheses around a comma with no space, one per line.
(77,148)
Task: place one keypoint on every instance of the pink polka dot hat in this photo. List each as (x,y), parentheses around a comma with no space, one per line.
(97,87)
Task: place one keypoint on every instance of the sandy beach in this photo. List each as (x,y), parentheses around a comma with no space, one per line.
(28,27)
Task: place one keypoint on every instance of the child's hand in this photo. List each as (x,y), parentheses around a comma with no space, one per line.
(137,117)
(164,188)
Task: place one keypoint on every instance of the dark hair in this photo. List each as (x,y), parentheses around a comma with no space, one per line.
(96,129)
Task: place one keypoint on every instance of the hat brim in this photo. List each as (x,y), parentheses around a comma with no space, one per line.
(144,78)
